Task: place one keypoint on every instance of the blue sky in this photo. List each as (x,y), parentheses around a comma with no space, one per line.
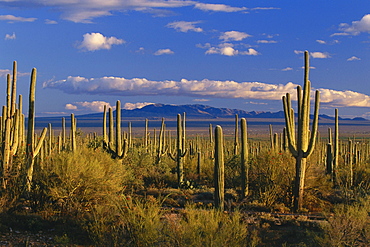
(234,54)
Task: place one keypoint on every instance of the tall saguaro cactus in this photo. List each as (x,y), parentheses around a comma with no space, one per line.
(302,146)
(181,152)
(219,170)
(244,157)
(31,150)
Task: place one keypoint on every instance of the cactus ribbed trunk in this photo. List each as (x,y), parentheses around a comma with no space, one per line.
(244,157)
(31,151)
(219,170)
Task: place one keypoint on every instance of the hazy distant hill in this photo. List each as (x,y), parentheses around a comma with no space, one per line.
(201,112)
(194,112)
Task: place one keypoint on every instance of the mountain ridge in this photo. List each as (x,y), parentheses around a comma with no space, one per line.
(199,111)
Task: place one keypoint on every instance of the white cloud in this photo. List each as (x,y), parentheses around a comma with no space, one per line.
(138,105)
(12,18)
(163,52)
(266,41)
(95,106)
(218,7)
(205,88)
(357,27)
(97,41)
(47,21)
(70,107)
(234,35)
(10,36)
(185,26)
(321,41)
(315,54)
(287,69)
(344,98)
(353,58)
(318,54)
(4,72)
(84,11)
(227,49)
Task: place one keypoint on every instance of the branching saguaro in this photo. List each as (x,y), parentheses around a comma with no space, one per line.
(302,146)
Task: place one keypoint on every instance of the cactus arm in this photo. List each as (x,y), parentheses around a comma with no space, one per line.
(31,113)
(288,123)
(40,143)
(315,124)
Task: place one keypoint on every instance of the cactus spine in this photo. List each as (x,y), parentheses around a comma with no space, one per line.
(219,177)
(301,148)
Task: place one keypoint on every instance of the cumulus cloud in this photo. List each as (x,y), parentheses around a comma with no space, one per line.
(315,54)
(12,18)
(218,7)
(10,36)
(353,58)
(227,49)
(234,36)
(196,88)
(97,41)
(356,27)
(185,26)
(95,106)
(163,52)
(344,98)
(138,105)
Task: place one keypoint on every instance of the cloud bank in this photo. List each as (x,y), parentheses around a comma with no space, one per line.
(84,11)
(194,88)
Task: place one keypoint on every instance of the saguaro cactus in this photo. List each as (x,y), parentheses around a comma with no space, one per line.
(31,150)
(219,170)
(244,157)
(302,147)
(181,152)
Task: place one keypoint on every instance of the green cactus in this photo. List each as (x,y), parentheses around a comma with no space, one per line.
(244,157)
(219,170)
(73,133)
(301,148)
(31,150)
(236,136)
(181,152)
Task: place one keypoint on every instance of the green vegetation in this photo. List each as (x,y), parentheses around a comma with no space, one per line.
(117,190)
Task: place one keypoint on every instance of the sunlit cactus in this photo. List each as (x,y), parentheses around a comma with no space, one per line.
(302,146)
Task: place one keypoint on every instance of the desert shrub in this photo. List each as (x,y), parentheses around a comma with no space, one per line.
(142,222)
(197,227)
(271,176)
(348,225)
(87,176)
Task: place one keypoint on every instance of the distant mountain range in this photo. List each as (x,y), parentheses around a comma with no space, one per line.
(198,111)
(193,112)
